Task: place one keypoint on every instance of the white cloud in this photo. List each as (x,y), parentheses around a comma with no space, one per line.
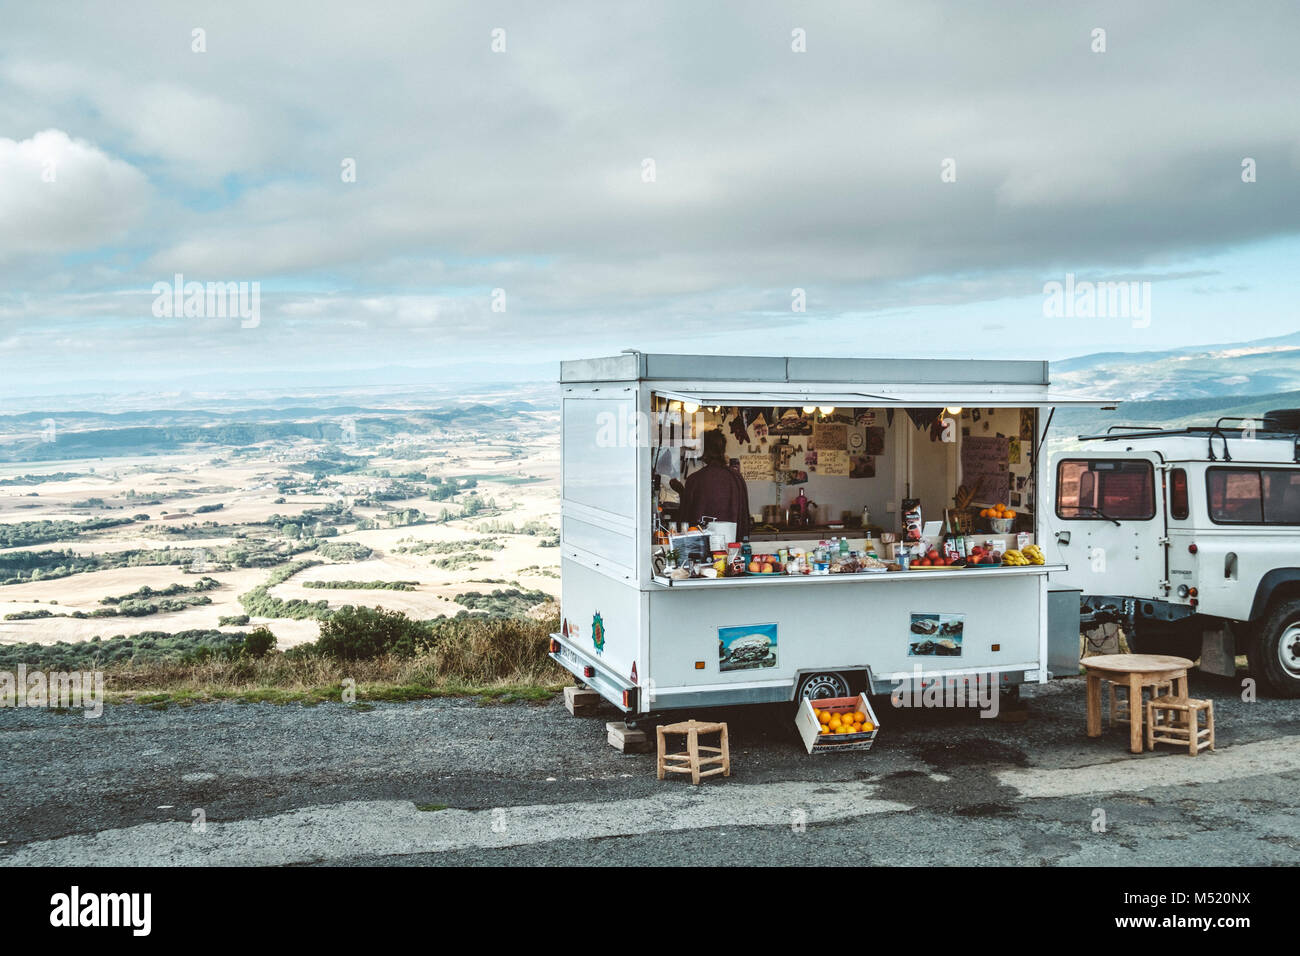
(59,194)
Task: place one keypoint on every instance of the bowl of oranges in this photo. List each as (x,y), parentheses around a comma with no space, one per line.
(999,517)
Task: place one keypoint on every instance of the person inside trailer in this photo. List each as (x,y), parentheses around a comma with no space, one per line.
(715,491)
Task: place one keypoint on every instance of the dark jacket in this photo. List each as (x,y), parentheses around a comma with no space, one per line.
(715,491)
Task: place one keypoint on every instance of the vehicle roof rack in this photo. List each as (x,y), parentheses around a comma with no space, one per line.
(1208,432)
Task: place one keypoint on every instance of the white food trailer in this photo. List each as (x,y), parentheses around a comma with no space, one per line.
(649,641)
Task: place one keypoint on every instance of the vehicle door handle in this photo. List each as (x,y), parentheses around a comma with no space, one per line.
(1063,537)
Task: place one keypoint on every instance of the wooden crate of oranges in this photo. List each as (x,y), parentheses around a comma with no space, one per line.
(837,724)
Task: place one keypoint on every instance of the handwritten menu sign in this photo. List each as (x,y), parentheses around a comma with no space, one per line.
(831,437)
(756,467)
(832,462)
(984,461)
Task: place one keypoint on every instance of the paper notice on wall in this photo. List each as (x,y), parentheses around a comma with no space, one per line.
(832,462)
(756,467)
(857,440)
(831,437)
(984,468)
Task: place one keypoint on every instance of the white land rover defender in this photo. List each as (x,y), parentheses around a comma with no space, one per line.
(1189,538)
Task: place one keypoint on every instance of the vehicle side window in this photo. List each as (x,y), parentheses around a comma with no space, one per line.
(1178,494)
(1234,495)
(1281,496)
(1102,489)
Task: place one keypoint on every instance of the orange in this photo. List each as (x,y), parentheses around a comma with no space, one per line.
(868,726)
(859,717)
(843,730)
(1009,514)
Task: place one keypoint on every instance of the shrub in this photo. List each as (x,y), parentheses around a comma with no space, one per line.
(353,633)
(259,642)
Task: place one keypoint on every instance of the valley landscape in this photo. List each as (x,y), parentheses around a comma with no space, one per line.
(226,514)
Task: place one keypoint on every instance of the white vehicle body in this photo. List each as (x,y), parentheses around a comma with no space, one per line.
(648,643)
(1187,536)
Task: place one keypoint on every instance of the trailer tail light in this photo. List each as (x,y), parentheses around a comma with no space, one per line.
(699,665)
(629,699)
(588,671)
(555,645)
(1191,548)
(1193,592)
(1193,602)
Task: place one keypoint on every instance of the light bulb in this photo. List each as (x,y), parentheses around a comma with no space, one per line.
(826,409)
(809,409)
(953,410)
(691,408)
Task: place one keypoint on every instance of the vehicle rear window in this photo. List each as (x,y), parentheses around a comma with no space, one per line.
(1100,489)
(1254,495)
(1178,494)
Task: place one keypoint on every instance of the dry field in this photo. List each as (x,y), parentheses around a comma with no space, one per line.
(519,475)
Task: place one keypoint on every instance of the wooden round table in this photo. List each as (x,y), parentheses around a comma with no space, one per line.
(1135,671)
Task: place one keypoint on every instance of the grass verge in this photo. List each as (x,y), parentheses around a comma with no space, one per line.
(495,660)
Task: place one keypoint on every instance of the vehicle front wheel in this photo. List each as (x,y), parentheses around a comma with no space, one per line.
(1274,650)
(823,685)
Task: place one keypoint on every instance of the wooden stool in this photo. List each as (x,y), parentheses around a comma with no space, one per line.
(689,760)
(1177,720)
(1119,704)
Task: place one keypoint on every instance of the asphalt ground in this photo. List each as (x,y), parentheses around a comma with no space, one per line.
(458,782)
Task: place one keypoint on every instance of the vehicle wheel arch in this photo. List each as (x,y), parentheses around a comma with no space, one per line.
(854,679)
(1279,584)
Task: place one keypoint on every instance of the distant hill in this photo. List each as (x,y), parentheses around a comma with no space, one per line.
(1256,367)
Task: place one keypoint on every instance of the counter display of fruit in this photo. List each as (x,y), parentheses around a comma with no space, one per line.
(765,564)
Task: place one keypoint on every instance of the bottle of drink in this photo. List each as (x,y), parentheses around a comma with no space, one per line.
(844,549)
(746,552)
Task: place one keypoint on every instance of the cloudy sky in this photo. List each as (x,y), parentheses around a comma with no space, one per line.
(659,176)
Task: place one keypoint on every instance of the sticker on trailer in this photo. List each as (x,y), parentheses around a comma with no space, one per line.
(598,632)
(746,646)
(935,635)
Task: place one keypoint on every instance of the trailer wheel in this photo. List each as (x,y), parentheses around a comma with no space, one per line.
(1274,649)
(823,685)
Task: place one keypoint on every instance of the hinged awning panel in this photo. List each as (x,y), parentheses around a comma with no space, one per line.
(882,397)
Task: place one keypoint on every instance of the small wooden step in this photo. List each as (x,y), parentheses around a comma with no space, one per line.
(625,740)
(581,701)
